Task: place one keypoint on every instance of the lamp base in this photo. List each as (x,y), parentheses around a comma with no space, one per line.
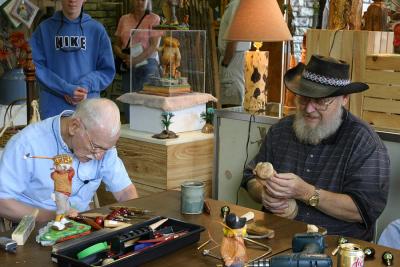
(255,77)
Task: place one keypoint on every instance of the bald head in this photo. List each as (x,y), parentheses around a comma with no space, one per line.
(99,115)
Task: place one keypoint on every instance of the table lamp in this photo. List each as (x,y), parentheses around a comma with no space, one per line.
(257,21)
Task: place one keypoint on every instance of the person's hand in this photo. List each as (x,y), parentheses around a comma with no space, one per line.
(127,60)
(274,205)
(79,94)
(70,100)
(134,61)
(287,185)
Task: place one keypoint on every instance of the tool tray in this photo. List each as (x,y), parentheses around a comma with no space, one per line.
(124,255)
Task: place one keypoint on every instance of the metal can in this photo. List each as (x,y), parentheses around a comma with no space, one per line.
(350,255)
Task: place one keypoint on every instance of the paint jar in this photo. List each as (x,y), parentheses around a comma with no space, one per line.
(192,197)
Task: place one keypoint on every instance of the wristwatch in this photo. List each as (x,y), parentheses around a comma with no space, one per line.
(314,199)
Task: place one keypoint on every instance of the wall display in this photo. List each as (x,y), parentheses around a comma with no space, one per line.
(25,11)
(7,11)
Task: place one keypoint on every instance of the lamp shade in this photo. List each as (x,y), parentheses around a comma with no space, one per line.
(259,21)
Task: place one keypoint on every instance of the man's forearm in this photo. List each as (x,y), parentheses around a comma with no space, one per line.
(14,211)
(126,194)
(340,206)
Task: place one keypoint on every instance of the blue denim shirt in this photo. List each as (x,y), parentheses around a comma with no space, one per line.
(28,180)
(390,237)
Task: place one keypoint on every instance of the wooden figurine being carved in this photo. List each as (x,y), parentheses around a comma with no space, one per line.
(62,177)
(233,249)
(264,171)
(170,57)
(376,16)
(345,14)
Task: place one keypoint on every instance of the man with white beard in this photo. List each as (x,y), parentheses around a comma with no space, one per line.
(332,163)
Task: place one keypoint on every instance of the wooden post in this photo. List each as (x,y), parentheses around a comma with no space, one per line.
(29,71)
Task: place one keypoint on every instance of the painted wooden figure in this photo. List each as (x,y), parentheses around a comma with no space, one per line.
(62,177)
(233,249)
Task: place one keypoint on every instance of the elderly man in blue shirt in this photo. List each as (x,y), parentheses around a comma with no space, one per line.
(89,134)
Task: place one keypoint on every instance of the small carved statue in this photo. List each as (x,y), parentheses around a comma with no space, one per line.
(170,57)
(233,249)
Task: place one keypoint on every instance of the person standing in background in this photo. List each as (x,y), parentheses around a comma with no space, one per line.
(231,61)
(73,57)
(146,62)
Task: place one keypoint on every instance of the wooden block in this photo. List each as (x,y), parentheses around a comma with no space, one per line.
(371,43)
(255,95)
(383,45)
(383,62)
(312,43)
(157,167)
(192,161)
(145,162)
(389,44)
(382,77)
(346,46)
(325,41)
(383,91)
(377,42)
(382,121)
(381,105)
(146,190)
(165,90)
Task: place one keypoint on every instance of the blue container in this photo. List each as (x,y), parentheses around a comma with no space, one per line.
(12,86)
(192,197)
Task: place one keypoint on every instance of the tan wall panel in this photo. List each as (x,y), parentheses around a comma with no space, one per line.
(383,91)
(383,62)
(381,105)
(382,120)
(382,77)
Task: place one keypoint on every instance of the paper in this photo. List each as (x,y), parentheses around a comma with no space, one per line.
(136,50)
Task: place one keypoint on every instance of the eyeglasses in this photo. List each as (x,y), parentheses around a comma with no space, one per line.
(320,104)
(95,149)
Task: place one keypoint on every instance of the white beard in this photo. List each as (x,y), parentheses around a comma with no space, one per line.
(314,136)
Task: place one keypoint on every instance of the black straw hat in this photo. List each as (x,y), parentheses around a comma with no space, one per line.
(322,77)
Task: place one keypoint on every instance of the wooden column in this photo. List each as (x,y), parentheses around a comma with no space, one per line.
(29,71)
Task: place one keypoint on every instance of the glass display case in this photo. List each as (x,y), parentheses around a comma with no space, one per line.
(167,62)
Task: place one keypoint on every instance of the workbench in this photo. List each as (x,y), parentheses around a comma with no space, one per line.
(168,204)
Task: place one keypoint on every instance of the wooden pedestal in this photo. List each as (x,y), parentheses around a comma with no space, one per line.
(157,165)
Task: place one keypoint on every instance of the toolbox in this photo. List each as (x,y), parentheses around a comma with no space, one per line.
(129,246)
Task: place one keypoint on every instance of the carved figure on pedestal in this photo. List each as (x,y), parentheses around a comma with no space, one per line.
(170,57)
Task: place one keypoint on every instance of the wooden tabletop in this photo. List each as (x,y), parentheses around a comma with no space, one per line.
(168,204)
